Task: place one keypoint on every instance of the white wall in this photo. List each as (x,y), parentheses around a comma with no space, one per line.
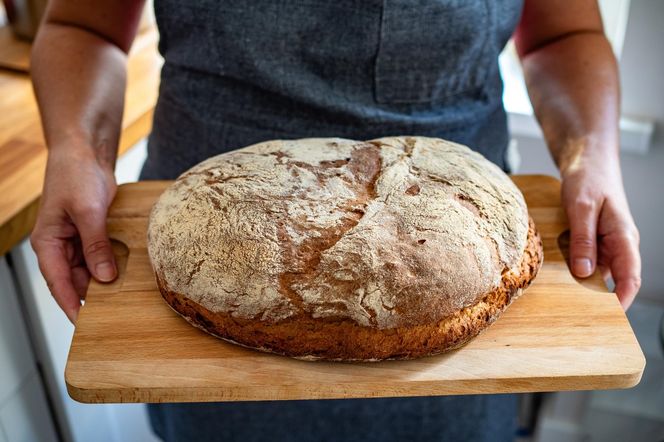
(642,78)
(642,63)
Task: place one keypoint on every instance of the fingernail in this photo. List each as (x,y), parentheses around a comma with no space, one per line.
(582,267)
(105,271)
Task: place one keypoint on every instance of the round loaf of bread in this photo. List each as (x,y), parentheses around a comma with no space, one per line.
(336,249)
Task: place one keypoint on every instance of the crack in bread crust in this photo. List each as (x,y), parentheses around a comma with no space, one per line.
(364,165)
(344,340)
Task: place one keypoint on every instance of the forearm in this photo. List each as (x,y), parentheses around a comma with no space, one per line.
(78,72)
(572,80)
(573,85)
(79,80)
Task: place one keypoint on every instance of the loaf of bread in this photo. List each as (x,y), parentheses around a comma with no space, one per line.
(336,249)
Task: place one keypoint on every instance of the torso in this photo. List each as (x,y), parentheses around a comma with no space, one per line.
(237,73)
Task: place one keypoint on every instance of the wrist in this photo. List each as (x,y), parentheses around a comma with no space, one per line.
(588,154)
(78,150)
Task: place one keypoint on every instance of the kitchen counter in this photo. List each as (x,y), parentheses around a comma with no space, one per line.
(22,148)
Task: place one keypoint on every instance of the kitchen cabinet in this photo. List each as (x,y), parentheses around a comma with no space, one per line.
(24,412)
(26,416)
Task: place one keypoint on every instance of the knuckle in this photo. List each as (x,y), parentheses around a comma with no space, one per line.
(582,240)
(52,287)
(88,209)
(34,241)
(631,284)
(585,203)
(627,233)
(96,247)
(635,281)
(37,241)
(632,233)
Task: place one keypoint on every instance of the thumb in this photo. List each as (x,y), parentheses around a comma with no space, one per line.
(583,217)
(91,225)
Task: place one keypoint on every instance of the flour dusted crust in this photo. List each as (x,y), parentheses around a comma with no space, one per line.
(338,249)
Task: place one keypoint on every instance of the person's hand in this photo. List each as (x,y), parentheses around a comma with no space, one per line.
(602,231)
(70,233)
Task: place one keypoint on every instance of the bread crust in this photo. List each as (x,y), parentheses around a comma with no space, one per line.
(344,250)
(345,340)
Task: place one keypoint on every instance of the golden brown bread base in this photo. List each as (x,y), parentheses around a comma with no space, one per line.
(345,340)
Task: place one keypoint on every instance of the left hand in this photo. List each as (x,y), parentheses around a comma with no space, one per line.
(602,230)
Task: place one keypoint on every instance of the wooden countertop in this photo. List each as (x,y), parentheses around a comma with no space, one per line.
(22,148)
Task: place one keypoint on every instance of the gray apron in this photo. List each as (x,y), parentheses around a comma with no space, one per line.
(241,72)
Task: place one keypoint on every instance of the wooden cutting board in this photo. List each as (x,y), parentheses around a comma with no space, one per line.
(129,346)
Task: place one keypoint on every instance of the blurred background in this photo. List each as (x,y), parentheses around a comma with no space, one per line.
(35,335)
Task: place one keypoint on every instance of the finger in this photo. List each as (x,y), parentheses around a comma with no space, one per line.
(605,271)
(582,217)
(625,268)
(52,259)
(91,225)
(80,279)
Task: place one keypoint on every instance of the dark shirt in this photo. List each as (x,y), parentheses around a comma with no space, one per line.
(241,72)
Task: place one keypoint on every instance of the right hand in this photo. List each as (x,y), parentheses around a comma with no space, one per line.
(70,237)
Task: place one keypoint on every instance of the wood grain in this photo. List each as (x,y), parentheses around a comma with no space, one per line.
(23,151)
(129,346)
